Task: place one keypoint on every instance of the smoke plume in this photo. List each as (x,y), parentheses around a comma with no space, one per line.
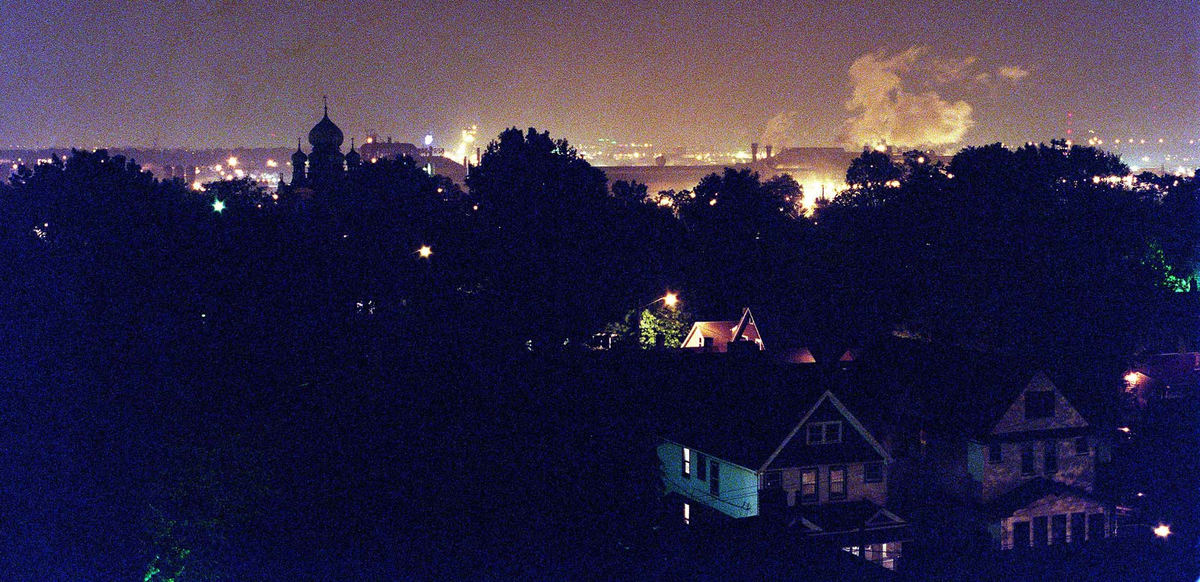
(781,130)
(887,112)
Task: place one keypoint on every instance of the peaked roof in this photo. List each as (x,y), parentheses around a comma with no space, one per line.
(841,408)
(724,332)
(1032,491)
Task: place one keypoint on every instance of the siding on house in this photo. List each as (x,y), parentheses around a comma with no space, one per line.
(737,495)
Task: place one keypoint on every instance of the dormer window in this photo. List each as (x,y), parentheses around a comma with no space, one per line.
(824,433)
(1039,404)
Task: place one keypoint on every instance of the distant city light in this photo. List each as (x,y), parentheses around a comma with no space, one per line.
(1124,429)
(428,139)
(218,205)
(232,161)
(197,186)
(272,164)
(425,252)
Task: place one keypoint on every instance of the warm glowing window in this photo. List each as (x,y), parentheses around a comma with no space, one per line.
(687,513)
(823,433)
(808,486)
(837,482)
(687,462)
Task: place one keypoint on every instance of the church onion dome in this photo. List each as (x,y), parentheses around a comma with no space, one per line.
(352,156)
(298,158)
(325,133)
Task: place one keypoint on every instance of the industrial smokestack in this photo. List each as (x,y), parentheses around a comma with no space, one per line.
(754,152)
(768,152)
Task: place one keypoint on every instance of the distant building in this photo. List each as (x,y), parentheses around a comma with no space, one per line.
(325,167)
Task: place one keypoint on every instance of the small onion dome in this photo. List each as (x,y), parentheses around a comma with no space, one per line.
(325,133)
(299,158)
(352,156)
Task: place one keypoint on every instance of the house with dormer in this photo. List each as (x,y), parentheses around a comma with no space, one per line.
(719,336)
(807,469)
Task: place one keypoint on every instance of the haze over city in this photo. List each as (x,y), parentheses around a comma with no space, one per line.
(937,74)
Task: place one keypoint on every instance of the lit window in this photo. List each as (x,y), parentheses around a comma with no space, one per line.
(808,486)
(873,473)
(687,462)
(687,513)
(824,433)
(837,482)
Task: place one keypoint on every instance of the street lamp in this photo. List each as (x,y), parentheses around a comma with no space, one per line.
(1162,530)
(424,252)
(671,299)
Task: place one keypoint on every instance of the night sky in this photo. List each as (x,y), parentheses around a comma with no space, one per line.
(213,74)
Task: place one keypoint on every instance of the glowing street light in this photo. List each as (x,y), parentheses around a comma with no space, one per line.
(425,252)
(218,205)
(232,161)
(1162,530)
(671,300)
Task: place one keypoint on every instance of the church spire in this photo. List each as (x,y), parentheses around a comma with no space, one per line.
(325,99)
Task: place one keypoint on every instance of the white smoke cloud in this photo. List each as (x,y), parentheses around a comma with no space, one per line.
(781,131)
(1013,73)
(886,113)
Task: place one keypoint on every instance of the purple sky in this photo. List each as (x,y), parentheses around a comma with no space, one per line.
(705,74)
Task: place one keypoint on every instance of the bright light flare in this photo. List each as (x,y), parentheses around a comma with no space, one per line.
(671,299)
(425,252)
(218,205)
(1162,530)
(232,161)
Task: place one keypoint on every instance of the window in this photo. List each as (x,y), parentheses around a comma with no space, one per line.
(1028,465)
(1050,449)
(1082,446)
(687,513)
(701,467)
(995,453)
(1039,404)
(772,480)
(873,473)
(808,486)
(714,481)
(687,462)
(1020,534)
(837,482)
(824,433)
(1039,530)
(707,341)
(1058,529)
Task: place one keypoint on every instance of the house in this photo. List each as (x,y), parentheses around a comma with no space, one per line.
(721,336)
(810,472)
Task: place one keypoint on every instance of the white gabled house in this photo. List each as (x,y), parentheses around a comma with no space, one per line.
(818,474)
(716,336)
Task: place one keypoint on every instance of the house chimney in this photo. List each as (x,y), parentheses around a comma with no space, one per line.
(768,152)
(754,152)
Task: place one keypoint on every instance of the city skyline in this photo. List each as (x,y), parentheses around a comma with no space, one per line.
(188,75)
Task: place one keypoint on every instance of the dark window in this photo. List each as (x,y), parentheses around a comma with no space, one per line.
(1095,526)
(872,472)
(1028,463)
(701,467)
(995,453)
(1039,531)
(1050,449)
(1039,404)
(1020,534)
(1058,529)
(772,480)
(707,341)
(808,486)
(824,433)
(837,482)
(714,483)
(1082,446)
(1077,528)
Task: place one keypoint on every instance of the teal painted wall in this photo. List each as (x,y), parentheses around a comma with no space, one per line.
(738,493)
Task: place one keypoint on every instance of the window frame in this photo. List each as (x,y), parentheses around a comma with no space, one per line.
(701,467)
(1050,457)
(995,453)
(1086,449)
(866,473)
(772,480)
(815,496)
(823,428)
(1039,412)
(686,469)
(836,495)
